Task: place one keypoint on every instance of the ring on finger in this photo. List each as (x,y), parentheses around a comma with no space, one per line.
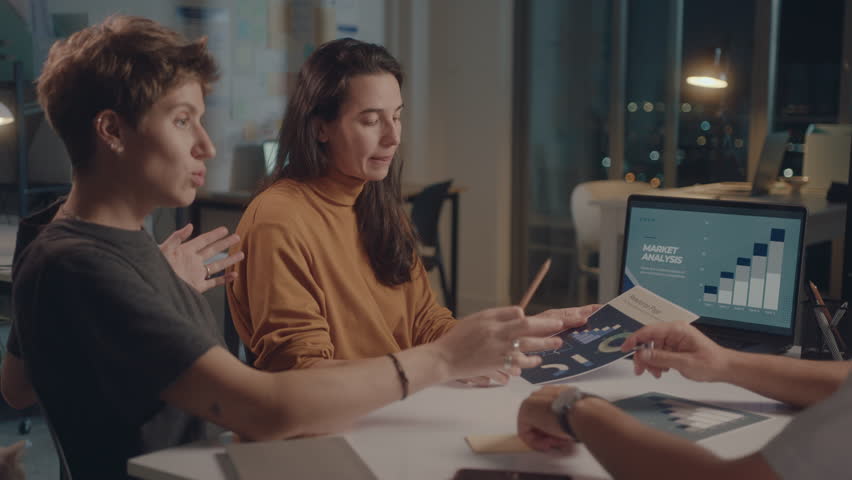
(507,361)
(207,269)
(516,344)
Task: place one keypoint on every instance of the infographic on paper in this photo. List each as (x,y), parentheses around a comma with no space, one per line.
(598,343)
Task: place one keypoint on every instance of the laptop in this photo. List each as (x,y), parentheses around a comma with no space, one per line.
(736,264)
(766,175)
(771,158)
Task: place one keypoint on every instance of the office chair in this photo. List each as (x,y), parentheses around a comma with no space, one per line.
(587,223)
(64,470)
(425,213)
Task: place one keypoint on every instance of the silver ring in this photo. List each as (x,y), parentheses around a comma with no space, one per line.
(507,361)
(207,269)
(516,344)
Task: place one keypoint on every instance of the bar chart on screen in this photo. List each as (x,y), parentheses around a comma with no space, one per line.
(751,281)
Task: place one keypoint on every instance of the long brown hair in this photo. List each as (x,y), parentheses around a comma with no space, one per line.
(321,88)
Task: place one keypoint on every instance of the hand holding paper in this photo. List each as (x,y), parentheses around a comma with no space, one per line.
(678,345)
(599,342)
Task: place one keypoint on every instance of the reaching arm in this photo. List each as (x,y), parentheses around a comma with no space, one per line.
(629,449)
(15,383)
(789,380)
(261,405)
(625,447)
(331,363)
(682,347)
(570,318)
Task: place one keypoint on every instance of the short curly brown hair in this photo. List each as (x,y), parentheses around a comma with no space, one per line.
(124,64)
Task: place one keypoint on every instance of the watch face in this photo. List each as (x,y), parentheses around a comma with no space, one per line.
(565,400)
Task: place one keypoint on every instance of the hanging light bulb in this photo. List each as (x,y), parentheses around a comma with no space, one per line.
(715,77)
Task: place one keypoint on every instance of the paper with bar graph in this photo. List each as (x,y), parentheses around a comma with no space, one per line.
(598,343)
(686,418)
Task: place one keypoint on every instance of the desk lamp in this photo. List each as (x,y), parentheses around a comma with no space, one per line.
(712,77)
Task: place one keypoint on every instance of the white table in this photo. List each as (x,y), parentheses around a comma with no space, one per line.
(826,222)
(423,436)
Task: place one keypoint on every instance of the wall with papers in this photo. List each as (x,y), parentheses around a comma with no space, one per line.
(260,45)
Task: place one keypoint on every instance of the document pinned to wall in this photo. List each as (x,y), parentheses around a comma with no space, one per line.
(278,24)
(598,343)
(271,39)
(214,23)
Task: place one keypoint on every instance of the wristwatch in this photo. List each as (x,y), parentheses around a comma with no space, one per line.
(562,405)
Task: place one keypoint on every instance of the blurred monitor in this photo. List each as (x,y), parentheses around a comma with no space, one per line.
(248,167)
(270,154)
(252,163)
(47,160)
(769,164)
(826,157)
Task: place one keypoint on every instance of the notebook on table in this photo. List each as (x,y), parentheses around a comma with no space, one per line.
(318,458)
(736,264)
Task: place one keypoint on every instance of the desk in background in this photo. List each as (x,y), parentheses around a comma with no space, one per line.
(238,200)
(8,235)
(826,222)
(422,437)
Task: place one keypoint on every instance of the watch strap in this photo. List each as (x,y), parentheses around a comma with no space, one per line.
(565,411)
(566,424)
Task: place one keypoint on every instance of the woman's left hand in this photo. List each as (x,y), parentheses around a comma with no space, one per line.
(571,317)
(187,258)
(496,378)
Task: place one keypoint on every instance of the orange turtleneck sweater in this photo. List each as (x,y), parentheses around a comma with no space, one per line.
(306,290)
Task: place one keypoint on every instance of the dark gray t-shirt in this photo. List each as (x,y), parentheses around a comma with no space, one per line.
(105,325)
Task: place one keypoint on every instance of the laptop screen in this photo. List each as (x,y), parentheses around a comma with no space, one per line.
(770,162)
(736,264)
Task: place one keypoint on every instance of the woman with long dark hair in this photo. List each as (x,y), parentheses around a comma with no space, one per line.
(332,272)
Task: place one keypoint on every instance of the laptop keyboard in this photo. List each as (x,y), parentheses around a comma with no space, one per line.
(746,344)
(732,343)
(727,339)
